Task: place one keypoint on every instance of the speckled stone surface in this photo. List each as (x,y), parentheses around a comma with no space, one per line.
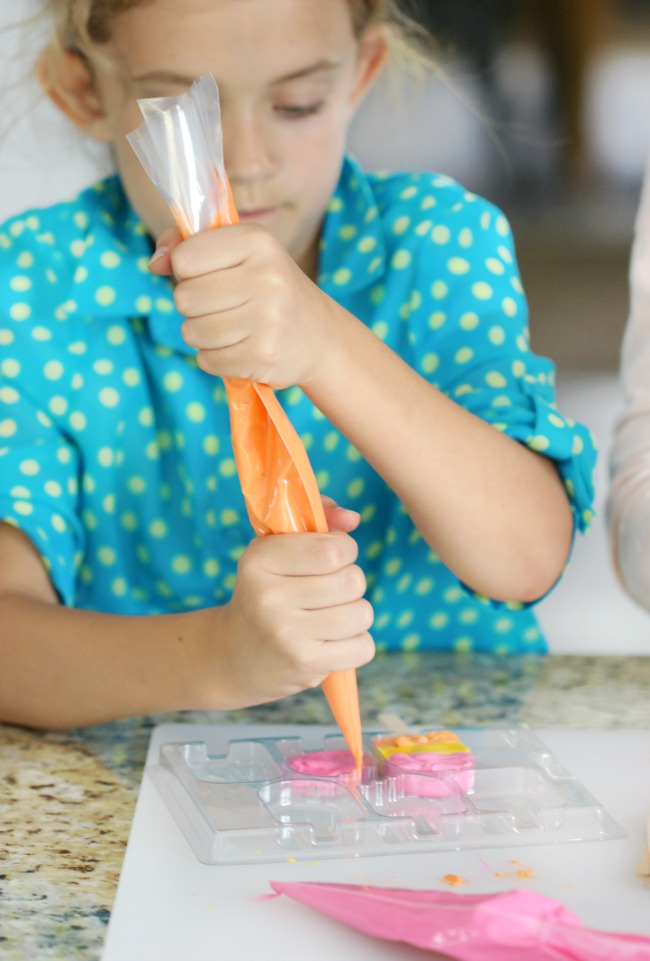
(67,800)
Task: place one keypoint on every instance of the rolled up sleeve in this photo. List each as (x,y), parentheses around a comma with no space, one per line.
(39,469)
(478,352)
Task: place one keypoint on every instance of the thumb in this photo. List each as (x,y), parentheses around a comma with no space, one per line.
(160,262)
(340,518)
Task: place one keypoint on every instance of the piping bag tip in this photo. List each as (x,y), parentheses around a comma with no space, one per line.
(342,695)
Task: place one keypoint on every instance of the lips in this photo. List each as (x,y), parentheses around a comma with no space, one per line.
(260,213)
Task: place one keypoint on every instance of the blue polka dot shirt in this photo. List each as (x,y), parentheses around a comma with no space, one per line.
(115,454)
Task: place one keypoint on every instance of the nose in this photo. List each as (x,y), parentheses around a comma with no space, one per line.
(245,147)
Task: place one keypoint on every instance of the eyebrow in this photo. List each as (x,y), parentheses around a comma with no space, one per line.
(321,66)
(168,76)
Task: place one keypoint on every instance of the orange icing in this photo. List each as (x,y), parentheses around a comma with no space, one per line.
(454,880)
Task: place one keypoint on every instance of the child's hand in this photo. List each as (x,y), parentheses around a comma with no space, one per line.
(251,311)
(296,615)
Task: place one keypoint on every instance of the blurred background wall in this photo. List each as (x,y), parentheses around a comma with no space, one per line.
(543,106)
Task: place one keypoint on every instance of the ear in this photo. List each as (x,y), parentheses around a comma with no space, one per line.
(67,80)
(373,54)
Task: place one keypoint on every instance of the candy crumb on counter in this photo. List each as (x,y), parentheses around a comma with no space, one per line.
(454,880)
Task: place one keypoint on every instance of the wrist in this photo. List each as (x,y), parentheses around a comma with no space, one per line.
(331,350)
(210,682)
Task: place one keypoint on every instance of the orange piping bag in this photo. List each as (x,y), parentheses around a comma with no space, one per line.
(180,147)
(264,437)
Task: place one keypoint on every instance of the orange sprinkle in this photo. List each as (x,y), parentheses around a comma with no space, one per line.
(522,872)
(454,880)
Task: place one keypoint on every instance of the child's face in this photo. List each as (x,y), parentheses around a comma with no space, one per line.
(290,73)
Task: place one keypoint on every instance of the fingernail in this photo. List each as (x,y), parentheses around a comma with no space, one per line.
(157,254)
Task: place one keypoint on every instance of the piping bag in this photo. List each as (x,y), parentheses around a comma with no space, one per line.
(511,926)
(180,147)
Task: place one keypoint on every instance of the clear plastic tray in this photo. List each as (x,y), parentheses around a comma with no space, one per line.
(249,805)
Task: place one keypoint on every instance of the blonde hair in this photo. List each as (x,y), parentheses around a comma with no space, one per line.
(83,25)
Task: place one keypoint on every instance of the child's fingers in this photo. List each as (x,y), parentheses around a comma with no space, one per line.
(352,653)
(214,338)
(198,297)
(211,250)
(342,655)
(340,622)
(321,592)
(308,630)
(300,555)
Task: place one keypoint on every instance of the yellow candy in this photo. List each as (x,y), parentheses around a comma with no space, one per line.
(441,742)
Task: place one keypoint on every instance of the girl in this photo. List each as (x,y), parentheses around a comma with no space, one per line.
(386,311)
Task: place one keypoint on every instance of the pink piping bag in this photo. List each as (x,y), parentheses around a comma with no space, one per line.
(514,926)
(180,147)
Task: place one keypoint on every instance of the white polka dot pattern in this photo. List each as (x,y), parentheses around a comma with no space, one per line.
(115,452)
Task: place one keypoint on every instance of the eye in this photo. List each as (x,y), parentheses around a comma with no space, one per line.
(296,112)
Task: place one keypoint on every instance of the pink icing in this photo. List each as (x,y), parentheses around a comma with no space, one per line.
(323,763)
(459,768)
(417,771)
(432,762)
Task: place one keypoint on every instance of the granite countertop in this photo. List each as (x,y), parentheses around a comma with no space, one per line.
(67,799)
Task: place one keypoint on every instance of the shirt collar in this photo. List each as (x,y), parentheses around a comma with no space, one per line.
(352,248)
(352,256)
(117,249)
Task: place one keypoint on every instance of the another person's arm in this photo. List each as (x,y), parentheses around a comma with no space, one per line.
(628,505)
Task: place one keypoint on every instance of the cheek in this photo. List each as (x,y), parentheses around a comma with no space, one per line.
(318,153)
(326,171)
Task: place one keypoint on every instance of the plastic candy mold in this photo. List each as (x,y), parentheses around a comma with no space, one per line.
(271,799)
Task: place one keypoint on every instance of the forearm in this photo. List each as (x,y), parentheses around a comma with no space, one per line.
(62,668)
(630,538)
(495,512)
(294,594)
(628,503)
